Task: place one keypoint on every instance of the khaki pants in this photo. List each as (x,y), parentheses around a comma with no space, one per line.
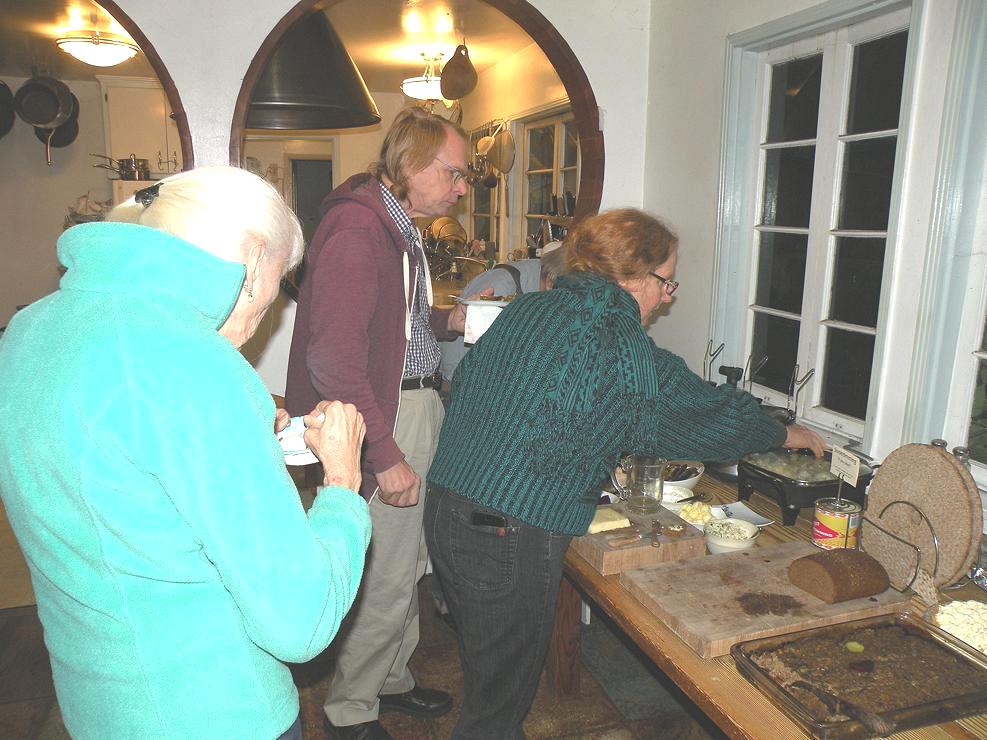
(381,631)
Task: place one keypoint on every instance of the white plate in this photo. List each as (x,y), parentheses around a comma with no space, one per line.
(478,302)
(293,444)
(740,510)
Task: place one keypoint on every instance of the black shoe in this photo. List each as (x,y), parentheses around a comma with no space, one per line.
(363,731)
(418,702)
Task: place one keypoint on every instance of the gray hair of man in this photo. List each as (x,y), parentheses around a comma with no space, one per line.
(553,262)
(216,209)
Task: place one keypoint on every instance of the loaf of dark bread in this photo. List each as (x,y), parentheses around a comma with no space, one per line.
(839,575)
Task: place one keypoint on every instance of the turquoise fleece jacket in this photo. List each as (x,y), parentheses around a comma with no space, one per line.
(173,564)
(560,385)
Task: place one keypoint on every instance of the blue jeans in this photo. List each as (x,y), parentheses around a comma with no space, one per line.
(501,585)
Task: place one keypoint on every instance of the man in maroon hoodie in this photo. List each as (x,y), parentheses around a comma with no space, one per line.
(365,334)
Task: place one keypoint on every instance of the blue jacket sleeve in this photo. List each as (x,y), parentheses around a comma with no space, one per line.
(203,427)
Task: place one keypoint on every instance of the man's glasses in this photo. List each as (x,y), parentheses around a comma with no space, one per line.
(670,286)
(458,175)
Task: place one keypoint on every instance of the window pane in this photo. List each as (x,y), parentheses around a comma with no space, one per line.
(570,185)
(788,186)
(533,226)
(778,339)
(481,200)
(794,107)
(481,228)
(846,376)
(570,150)
(866,197)
(977,436)
(875,90)
(541,148)
(539,193)
(781,271)
(857,281)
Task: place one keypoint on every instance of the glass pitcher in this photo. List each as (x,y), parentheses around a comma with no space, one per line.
(644,485)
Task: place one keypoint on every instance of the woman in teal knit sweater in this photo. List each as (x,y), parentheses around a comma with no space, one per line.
(174,568)
(542,407)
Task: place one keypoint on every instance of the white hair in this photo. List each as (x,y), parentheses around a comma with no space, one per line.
(215,208)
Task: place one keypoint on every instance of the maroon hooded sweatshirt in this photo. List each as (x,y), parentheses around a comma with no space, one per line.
(349,339)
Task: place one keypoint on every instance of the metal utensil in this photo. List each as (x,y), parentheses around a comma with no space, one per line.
(655,533)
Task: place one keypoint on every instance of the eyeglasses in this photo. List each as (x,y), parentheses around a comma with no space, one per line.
(670,286)
(458,175)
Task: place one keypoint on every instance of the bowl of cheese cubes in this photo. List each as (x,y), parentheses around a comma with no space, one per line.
(697,513)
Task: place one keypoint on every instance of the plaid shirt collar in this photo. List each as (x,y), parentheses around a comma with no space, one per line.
(401,218)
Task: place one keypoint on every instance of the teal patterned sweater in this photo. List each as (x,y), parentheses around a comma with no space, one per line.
(561,385)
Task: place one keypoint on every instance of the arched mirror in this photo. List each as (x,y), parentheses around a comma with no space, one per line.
(69,162)
(531,97)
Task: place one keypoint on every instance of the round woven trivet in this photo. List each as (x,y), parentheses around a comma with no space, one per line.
(978,512)
(929,479)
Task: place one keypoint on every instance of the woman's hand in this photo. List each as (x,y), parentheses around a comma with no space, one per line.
(802,438)
(457,319)
(334,432)
(399,485)
(281,420)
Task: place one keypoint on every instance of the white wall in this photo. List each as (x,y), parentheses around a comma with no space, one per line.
(682,157)
(35,197)
(515,85)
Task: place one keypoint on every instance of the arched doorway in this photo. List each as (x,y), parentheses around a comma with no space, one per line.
(541,31)
(171,92)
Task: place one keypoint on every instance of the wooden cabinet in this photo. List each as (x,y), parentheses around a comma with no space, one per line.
(137,120)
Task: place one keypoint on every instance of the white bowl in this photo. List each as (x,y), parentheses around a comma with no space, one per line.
(718,544)
(688,483)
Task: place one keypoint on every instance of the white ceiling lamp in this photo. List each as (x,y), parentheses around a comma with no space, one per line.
(428,86)
(90,47)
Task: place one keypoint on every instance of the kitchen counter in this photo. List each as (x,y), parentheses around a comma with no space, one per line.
(735,705)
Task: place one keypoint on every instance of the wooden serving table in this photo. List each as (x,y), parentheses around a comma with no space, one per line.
(734,704)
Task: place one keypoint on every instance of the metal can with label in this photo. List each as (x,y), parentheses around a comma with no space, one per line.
(836,524)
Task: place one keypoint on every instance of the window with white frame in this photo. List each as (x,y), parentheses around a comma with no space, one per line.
(877,277)
(828,125)
(551,169)
(483,202)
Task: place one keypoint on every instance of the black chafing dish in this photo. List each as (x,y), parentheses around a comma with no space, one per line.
(788,477)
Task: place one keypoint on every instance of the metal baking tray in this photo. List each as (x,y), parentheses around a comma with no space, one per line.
(905,718)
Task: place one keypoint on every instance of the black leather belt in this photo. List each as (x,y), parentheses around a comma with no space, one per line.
(425,381)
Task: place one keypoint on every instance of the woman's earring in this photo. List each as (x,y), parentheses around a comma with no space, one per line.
(250,295)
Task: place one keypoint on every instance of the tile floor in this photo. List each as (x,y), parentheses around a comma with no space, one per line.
(620,697)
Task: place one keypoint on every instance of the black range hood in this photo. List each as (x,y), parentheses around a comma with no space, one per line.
(311,82)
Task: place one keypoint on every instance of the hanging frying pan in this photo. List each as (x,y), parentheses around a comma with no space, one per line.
(43,101)
(62,135)
(6,109)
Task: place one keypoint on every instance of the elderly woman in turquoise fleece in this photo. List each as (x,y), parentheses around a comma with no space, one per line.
(174,566)
(542,406)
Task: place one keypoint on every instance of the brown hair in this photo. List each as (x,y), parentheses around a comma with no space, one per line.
(411,143)
(621,244)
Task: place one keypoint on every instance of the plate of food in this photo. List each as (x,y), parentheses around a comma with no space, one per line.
(486,300)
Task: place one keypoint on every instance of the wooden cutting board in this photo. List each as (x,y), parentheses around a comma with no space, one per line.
(716,601)
(597,550)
